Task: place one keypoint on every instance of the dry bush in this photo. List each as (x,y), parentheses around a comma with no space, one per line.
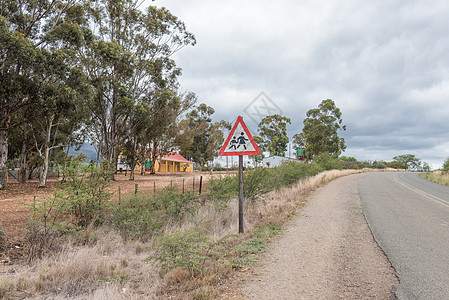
(110,269)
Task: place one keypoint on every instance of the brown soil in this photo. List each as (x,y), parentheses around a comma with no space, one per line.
(328,252)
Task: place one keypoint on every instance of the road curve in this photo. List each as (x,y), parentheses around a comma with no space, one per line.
(409,218)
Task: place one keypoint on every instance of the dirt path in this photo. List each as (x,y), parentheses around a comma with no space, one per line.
(328,252)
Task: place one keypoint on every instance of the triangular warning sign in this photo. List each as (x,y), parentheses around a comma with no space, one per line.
(240,141)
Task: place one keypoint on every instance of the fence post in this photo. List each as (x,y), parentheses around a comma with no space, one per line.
(194,184)
(135,189)
(154,187)
(183,185)
(201,183)
(171,183)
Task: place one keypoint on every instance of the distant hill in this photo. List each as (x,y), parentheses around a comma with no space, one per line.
(87,149)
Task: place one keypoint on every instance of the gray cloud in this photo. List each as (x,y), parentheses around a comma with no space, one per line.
(383,62)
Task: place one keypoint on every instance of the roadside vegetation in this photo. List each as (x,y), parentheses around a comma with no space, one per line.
(439,176)
(158,245)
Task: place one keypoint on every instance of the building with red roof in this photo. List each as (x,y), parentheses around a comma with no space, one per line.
(171,162)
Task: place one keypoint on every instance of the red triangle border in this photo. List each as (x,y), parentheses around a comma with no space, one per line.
(231,134)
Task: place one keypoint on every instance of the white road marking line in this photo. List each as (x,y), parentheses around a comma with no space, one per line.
(421,192)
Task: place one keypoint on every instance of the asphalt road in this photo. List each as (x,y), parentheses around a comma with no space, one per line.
(409,218)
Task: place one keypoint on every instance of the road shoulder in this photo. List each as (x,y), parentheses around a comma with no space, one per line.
(327,252)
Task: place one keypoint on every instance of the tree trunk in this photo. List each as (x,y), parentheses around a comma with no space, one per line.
(3,157)
(4,125)
(153,160)
(23,159)
(44,172)
(160,164)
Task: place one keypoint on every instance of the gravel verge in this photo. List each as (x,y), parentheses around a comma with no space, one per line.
(327,252)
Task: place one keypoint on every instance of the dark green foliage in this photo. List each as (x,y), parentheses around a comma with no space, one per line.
(201,139)
(328,162)
(290,172)
(379,164)
(446,165)
(320,132)
(406,161)
(273,131)
(142,216)
(256,182)
(259,181)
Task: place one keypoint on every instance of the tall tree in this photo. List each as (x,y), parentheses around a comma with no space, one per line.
(31,34)
(204,137)
(320,132)
(167,127)
(407,161)
(273,130)
(128,62)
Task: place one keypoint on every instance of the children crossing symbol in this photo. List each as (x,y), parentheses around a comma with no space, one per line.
(239,141)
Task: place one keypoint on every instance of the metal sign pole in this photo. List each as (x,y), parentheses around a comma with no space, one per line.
(239,142)
(241,230)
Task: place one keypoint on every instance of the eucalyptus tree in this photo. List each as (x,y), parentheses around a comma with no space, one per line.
(320,131)
(166,131)
(273,130)
(202,138)
(33,39)
(128,62)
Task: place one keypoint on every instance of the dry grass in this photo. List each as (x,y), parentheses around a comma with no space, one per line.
(439,177)
(114,269)
(110,269)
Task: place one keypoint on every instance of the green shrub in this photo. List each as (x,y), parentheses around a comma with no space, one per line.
(222,190)
(290,172)
(84,193)
(327,162)
(257,182)
(3,239)
(446,165)
(378,164)
(141,216)
(187,249)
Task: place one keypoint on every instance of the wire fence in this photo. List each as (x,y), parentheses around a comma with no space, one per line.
(196,184)
(13,175)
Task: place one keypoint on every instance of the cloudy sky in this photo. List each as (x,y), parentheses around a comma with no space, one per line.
(385,63)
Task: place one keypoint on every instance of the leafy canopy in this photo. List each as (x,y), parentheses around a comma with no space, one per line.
(273,130)
(408,161)
(320,132)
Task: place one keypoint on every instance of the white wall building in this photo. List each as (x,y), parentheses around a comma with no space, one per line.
(274,161)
